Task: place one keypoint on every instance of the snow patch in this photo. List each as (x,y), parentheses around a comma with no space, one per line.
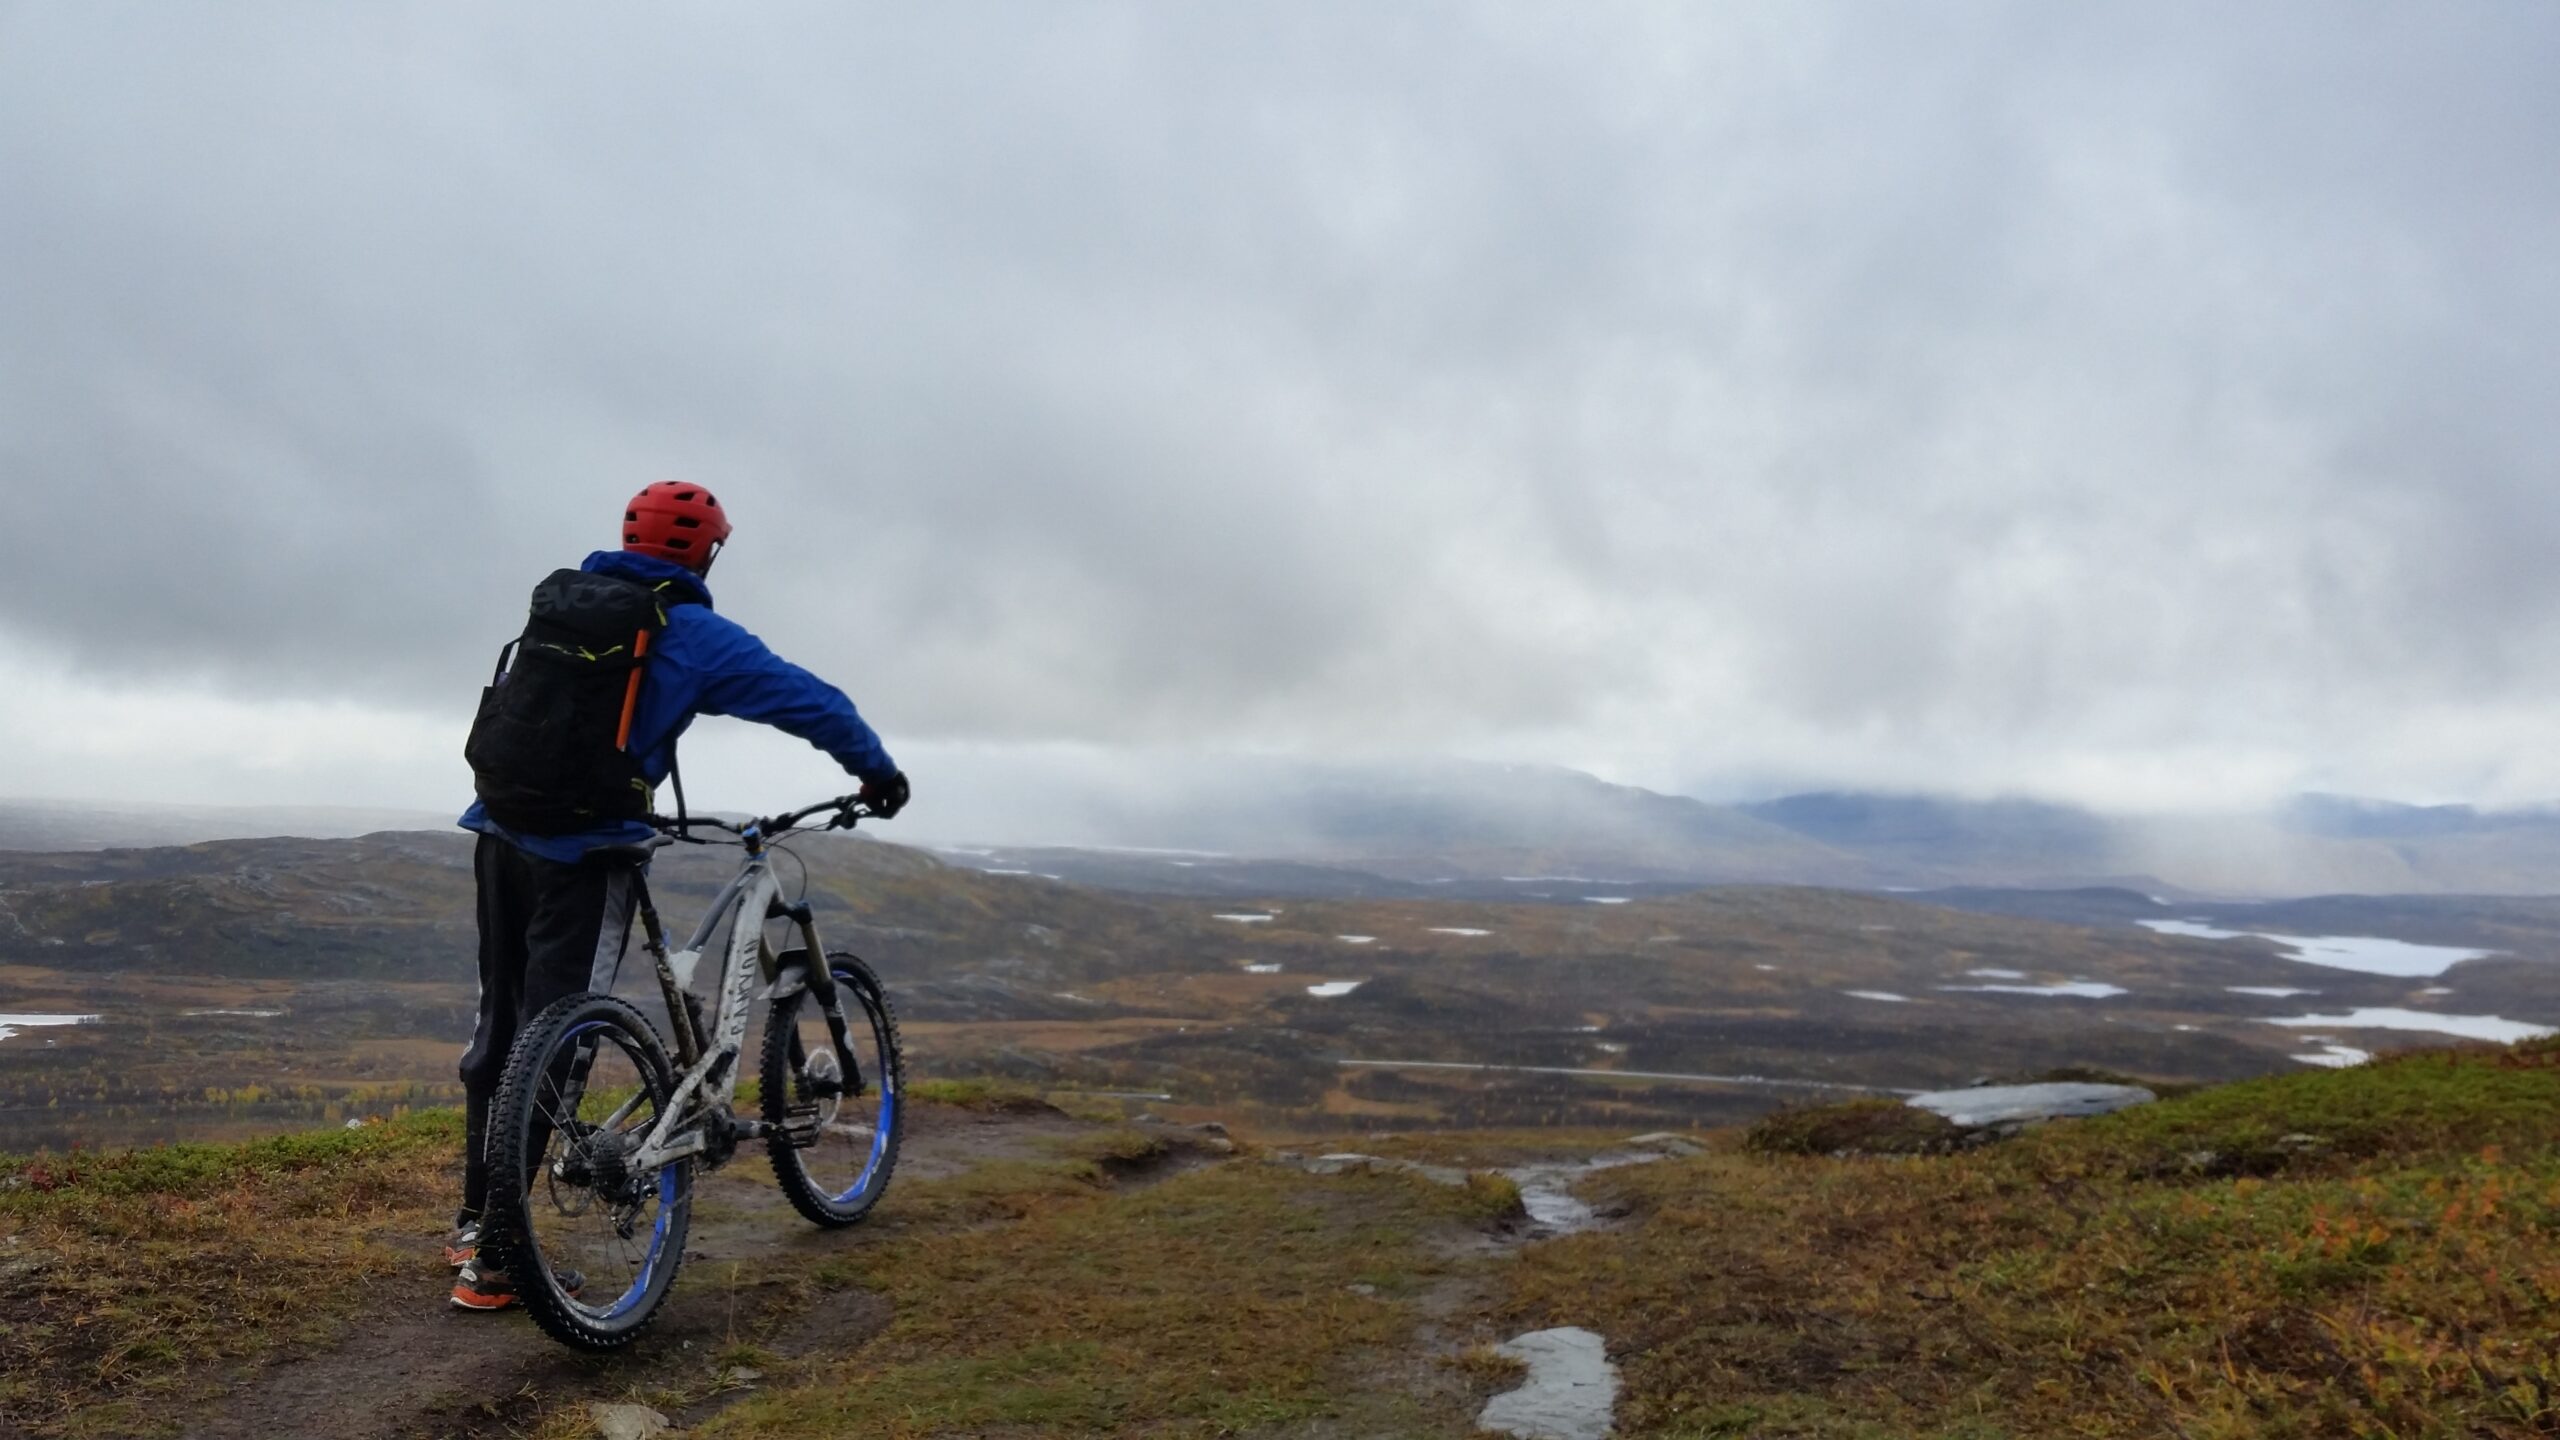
(11,1024)
(1332,988)
(2468,1027)
(1457,930)
(2364,954)
(1878,995)
(2077,989)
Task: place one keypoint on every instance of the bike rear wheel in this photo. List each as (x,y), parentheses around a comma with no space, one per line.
(833,1138)
(590,1245)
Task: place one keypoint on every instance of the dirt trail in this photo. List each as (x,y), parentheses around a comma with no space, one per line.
(412,1366)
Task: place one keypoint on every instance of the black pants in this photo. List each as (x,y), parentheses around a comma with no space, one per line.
(546,930)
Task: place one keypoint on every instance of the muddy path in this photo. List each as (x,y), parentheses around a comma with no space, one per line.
(410,1365)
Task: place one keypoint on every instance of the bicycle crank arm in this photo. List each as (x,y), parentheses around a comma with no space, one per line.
(697,1142)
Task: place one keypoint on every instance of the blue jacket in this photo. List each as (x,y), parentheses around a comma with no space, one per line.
(707,664)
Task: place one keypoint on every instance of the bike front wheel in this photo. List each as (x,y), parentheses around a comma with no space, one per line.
(590,1243)
(833,1135)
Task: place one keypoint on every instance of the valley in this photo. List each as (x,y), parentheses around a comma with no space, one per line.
(243,987)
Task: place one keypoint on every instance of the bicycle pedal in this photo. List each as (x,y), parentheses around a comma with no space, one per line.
(800,1126)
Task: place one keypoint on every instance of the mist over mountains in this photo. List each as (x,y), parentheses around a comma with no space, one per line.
(1444,820)
(1372,827)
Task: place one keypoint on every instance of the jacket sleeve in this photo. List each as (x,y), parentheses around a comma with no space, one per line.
(739,676)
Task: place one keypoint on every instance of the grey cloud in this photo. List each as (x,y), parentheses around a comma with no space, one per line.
(1635,378)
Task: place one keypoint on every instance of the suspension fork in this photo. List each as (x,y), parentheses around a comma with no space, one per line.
(821,981)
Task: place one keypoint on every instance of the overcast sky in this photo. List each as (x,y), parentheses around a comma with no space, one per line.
(2141,404)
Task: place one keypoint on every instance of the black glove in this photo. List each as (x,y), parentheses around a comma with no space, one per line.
(886,795)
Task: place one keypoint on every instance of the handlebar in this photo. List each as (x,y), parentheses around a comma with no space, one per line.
(849,809)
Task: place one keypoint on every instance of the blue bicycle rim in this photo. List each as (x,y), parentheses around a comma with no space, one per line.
(882,1121)
(667,1196)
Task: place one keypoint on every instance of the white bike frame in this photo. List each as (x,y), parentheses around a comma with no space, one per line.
(703,1092)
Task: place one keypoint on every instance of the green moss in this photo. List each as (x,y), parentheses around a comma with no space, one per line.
(198,1169)
(979,1093)
(1854,1127)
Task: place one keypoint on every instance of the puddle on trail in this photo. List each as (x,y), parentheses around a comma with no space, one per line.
(1546,1191)
(1570,1392)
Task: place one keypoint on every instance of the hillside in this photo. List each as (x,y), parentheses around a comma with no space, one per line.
(242,987)
(2340,1252)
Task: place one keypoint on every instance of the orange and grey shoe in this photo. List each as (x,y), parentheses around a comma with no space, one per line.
(462,1244)
(481,1287)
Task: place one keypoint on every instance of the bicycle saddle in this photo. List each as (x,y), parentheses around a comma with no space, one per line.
(634,854)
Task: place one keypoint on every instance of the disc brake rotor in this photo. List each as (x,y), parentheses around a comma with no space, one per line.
(822,1081)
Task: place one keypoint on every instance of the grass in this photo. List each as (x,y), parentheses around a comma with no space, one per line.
(2364,1252)
(1003,1097)
(118,1273)
(1223,1299)
(2389,1270)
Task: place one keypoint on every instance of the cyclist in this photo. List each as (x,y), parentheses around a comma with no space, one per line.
(554,912)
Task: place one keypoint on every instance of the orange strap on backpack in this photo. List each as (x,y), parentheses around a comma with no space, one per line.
(631,693)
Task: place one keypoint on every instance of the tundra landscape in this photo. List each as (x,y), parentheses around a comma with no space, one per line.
(1551,1157)
(1549,719)
(242,986)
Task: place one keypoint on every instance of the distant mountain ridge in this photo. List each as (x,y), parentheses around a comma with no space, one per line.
(101,825)
(1348,829)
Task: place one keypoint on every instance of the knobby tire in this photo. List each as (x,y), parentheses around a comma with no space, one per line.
(866,1003)
(513,1158)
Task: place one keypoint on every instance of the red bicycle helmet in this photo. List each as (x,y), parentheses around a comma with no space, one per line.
(675,521)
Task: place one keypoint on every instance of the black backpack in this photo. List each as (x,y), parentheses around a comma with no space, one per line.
(550,750)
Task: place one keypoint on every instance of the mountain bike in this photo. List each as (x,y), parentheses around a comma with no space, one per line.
(596,1134)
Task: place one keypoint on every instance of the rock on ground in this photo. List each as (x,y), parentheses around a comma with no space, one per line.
(1571,1392)
(629,1422)
(1998,1104)
(1349,1163)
